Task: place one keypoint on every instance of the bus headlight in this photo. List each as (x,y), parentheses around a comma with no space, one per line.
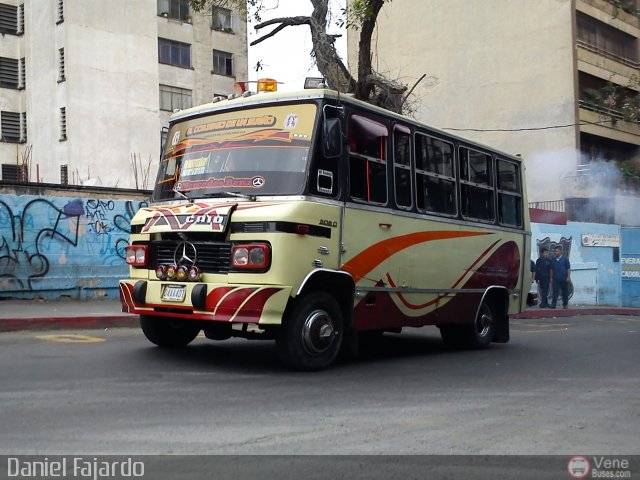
(137,255)
(253,256)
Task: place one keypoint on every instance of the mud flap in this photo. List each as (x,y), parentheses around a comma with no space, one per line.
(502,330)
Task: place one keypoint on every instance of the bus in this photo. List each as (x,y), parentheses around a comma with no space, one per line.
(313,219)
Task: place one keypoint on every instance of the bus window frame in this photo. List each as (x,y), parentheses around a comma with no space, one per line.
(384,150)
(453,180)
(517,193)
(406,130)
(476,185)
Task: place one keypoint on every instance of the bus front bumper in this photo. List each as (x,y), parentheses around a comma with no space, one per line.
(215,302)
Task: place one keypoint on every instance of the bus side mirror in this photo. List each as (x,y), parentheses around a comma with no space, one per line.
(331,137)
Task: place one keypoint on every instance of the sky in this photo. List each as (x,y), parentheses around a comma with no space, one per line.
(287,55)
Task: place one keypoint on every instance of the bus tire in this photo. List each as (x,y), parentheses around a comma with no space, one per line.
(481,333)
(474,336)
(312,332)
(168,333)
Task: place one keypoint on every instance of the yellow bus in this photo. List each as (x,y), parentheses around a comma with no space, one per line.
(310,218)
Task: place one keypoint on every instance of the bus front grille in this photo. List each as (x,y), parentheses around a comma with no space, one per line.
(211,257)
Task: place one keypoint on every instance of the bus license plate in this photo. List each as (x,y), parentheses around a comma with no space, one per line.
(174,293)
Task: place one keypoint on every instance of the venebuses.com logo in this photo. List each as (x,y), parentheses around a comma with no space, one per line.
(599,467)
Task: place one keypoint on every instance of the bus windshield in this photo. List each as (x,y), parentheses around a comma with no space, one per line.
(253,151)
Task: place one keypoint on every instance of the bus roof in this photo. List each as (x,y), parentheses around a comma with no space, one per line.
(262,98)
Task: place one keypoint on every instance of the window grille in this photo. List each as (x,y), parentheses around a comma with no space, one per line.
(8,19)
(61,71)
(63,123)
(60,11)
(9,68)
(14,173)
(13,127)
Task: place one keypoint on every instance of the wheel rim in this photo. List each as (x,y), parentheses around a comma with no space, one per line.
(484,322)
(318,333)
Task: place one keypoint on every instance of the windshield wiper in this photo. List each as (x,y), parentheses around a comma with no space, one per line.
(179,193)
(251,198)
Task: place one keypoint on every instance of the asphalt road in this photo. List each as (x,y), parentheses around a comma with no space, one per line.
(561,386)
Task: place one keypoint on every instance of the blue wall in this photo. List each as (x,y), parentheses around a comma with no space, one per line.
(595,273)
(60,246)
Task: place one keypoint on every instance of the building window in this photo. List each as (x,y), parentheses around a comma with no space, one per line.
(222,63)
(174,53)
(60,11)
(9,72)
(435,176)
(172,98)
(9,19)
(13,126)
(176,9)
(63,124)
(61,76)
(221,19)
(14,173)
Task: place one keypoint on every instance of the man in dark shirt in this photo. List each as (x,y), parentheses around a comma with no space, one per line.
(561,277)
(542,276)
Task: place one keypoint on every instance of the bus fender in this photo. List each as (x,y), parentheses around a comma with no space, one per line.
(498,297)
(339,284)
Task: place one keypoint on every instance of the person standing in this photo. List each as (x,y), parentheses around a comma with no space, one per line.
(561,277)
(542,276)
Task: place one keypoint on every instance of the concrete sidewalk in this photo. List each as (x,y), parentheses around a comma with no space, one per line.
(65,313)
(68,314)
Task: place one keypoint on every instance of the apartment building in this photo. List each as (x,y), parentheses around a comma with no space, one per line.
(86,86)
(552,80)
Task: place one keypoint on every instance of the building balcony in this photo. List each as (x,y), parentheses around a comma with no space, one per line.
(608,123)
(607,11)
(605,65)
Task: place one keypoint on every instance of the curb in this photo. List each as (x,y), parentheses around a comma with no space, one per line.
(60,323)
(576,312)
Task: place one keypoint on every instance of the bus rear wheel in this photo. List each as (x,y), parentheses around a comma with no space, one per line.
(312,331)
(166,332)
(477,335)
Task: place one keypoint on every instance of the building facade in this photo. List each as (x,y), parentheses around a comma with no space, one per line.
(552,80)
(87,85)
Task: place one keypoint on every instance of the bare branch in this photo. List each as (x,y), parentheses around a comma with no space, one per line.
(284,22)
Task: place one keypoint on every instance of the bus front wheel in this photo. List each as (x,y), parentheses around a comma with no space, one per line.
(166,332)
(312,331)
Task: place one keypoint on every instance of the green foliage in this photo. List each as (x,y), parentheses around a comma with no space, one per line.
(630,168)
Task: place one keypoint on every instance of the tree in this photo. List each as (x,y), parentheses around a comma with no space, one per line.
(362,15)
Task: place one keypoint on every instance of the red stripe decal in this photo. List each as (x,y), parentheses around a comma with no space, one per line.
(252,310)
(231,303)
(367,260)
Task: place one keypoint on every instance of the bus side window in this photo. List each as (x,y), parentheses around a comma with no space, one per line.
(402,167)
(367,160)
(435,180)
(509,193)
(476,185)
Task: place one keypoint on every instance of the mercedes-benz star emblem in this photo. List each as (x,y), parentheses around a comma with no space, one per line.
(185,254)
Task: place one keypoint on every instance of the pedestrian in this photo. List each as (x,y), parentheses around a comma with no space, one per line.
(542,276)
(561,277)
